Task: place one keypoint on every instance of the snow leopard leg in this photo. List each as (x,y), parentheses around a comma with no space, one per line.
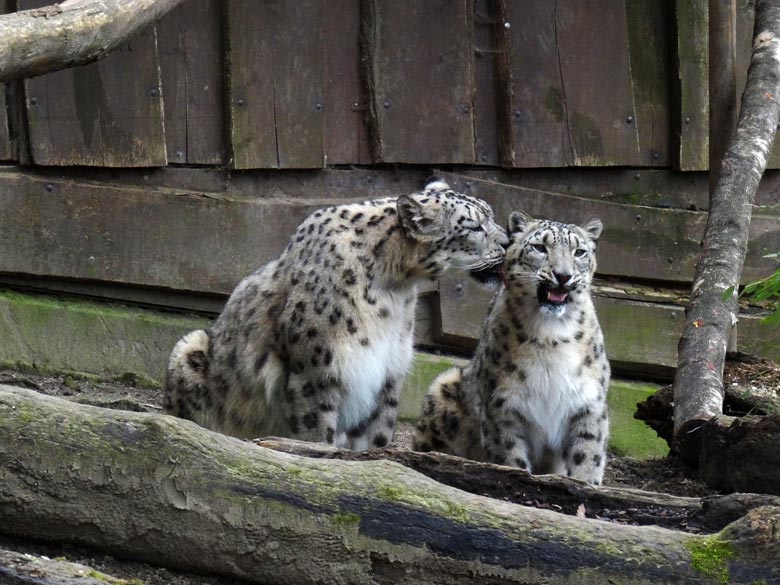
(585,451)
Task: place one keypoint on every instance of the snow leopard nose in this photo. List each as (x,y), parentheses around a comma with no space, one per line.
(562,278)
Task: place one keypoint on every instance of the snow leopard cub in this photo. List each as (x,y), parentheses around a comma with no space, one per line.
(534,395)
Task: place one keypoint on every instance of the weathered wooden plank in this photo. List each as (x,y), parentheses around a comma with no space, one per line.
(143,237)
(148,236)
(486,22)
(276,83)
(346,135)
(419,74)
(536,104)
(6,148)
(693,124)
(98,114)
(190,50)
(638,241)
(649,25)
(592,43)
(651,187)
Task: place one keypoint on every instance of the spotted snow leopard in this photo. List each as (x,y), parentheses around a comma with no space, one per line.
(534,395)
(316,344)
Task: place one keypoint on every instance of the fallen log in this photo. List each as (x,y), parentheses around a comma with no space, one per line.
(165,491)
(552,492)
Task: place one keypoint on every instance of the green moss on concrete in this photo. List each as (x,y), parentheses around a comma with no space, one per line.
(628,436)
(425,368)
(60,335)
(709,556)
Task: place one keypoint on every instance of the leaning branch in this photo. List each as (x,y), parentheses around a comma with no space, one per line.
(74,32)
(165,491)
(698,384)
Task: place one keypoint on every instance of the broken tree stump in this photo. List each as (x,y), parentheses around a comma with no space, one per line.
(165,491)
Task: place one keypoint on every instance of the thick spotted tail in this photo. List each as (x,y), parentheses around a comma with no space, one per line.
(186,383)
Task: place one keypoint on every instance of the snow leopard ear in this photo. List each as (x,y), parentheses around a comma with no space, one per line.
(421,222)
(435,183)
(593,228)
(518,221)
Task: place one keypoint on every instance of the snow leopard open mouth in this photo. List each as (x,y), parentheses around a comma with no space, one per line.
(554,296)
(492,274)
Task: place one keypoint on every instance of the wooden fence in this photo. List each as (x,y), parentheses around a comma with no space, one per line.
(170,169)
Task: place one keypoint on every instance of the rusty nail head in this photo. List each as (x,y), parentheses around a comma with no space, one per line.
(49,187)
(387,105)
(240,101)
(465,109)
(629,119)
(687,119)
(638,217)
(318,107)
(458,287)
(34,101)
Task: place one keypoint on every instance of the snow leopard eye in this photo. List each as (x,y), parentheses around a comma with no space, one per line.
(580,252)
(541,248)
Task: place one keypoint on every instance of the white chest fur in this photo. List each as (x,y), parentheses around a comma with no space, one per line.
(365,369)
(552,389)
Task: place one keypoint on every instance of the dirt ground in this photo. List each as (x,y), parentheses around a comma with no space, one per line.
(659,475)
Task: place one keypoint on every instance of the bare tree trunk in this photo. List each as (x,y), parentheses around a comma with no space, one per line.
(698,383)
(74,32)
(163,490)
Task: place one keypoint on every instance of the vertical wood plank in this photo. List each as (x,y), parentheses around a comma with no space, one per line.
(190,51)
(534,104)
(724,91)
(593,52)
(419,75)
(650,37)
(693,126)
(98,114)
(486,21)
(346,136)
(276,60)
(6,148)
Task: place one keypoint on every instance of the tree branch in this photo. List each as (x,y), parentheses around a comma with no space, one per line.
(698,383)
(74,32)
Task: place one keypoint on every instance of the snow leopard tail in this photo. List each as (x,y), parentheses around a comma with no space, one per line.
(186,383)
(448,423)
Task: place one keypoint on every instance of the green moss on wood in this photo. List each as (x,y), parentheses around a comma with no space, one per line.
(709,556)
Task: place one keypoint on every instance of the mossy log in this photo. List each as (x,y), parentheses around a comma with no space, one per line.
(23,568)
(562,494)
(70,33)
(165,491)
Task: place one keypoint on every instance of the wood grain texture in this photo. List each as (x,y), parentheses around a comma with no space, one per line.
(346,134)
(419,61)
(98,115)
(536,104)
(190,49)
(276,88)
(693,121)
(650,36)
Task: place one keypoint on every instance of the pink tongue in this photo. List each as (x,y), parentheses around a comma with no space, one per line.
(556,297)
